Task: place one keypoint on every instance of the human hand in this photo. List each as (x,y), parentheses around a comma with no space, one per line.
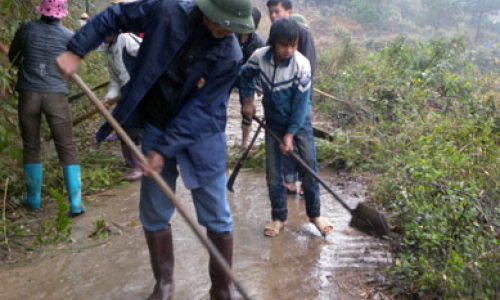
(287,144)
(68,64)
(248,108)
(105,103)
(155,163)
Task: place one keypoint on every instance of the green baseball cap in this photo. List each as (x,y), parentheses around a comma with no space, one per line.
(232,15)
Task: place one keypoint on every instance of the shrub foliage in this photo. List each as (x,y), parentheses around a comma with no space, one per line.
(425,118)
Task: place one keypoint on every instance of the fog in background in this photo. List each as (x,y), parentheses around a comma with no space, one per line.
(375,22)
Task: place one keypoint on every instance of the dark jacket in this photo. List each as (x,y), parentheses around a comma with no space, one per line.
(253,43)
(307,48)
(195,136)
(33,50)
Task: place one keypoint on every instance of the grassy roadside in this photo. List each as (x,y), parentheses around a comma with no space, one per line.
(424,117)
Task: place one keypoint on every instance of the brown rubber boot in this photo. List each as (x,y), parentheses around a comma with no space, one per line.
(222,287)
(161,251)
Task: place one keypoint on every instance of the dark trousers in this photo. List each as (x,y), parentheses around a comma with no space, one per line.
(304,148)
(55,107)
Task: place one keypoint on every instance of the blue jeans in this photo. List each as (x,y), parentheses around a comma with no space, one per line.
(304,148)
(156,210)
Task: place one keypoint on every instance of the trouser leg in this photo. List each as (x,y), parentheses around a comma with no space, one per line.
(155,209)
(212,208)
(57,111)
(274,178)
(30,116)
(306,150)
(214,213)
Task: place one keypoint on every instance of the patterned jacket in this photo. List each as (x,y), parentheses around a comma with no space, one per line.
(286,87)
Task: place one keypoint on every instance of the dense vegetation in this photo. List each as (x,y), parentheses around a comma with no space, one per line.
(421,116)
(425,118)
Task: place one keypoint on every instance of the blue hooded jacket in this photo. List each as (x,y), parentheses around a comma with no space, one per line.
(195,135)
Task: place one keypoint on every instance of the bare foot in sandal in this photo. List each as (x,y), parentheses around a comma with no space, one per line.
(323,225)
(273,228)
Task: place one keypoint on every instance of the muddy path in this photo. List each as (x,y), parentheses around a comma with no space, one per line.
(297,264)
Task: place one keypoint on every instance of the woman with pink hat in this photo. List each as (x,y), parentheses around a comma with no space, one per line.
(41,90)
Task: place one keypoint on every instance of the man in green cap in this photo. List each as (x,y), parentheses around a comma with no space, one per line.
(178,92)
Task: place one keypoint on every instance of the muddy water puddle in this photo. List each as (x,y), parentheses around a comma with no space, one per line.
(297,264)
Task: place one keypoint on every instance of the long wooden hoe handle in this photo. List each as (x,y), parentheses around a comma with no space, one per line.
(163,186)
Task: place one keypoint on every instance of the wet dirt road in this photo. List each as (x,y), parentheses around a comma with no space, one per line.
(297,264)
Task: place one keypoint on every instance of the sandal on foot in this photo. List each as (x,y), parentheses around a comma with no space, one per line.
(323,225)
(273,228)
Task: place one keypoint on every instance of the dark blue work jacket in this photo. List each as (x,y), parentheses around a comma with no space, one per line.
(195,135)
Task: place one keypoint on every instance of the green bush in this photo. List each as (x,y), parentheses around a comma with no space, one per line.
(425,119)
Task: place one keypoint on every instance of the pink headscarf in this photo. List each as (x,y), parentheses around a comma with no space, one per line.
(53,8)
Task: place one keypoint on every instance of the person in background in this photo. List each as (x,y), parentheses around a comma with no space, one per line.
(121,50)
(287,109)
(84,18)
(178,91)
(249,43)
(279,9)
(41,90)
(300,19)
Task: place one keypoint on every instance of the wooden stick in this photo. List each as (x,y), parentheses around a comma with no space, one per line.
(6,241)
(332,97)
(93,112)
(162,185)
(79,95)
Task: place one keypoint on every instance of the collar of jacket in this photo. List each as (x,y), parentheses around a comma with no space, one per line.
(50,20)
(269,57)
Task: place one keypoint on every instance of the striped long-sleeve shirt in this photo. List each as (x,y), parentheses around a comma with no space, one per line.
(286,87)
